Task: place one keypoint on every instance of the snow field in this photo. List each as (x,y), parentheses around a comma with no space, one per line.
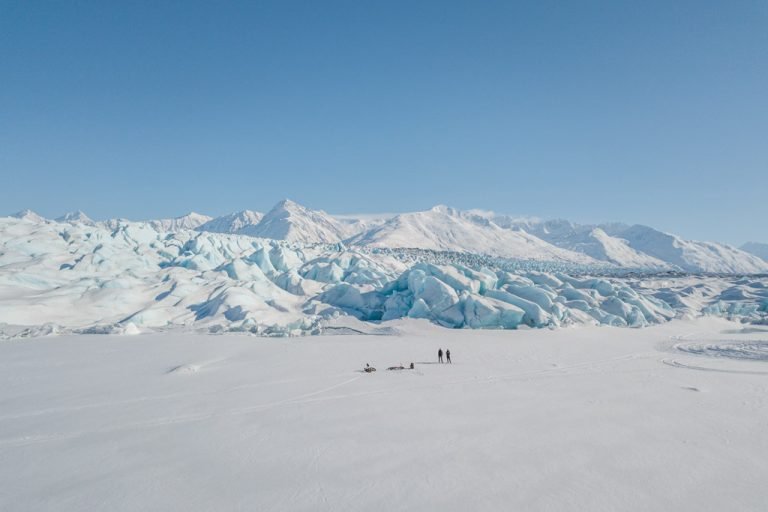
(573,419)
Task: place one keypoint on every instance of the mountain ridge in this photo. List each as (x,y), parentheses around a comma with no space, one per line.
(443,228)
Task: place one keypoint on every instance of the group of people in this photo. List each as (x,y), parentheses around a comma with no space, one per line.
(369,369)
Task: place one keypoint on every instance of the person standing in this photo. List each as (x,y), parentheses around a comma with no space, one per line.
(439,355)
(448,356)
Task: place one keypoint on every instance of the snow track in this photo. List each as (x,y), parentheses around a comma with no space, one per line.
(726,355)
(728,349)
(677,364)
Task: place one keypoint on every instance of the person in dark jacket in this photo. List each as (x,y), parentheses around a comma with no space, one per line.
(448,356)
(439,355)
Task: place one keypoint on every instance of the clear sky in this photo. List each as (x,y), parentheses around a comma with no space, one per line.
(644,111)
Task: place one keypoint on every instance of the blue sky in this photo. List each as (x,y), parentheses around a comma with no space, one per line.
(643,112)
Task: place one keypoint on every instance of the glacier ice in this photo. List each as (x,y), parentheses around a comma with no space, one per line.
(98,278)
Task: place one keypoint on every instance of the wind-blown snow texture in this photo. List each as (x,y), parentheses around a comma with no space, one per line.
(126,277)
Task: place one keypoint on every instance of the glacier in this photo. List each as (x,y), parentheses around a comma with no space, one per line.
(126,277)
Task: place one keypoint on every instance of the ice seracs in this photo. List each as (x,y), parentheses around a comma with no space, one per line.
(74,277)
(297,270)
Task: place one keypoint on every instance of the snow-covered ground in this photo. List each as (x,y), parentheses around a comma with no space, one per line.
(670,417)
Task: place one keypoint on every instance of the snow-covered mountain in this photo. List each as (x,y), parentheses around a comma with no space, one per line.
(688,255)
(637,246)
(474,231)
(756,248)
(590,240)
(231,223)
(75,217)
(28,215)
(292,222)
(357,224)
(447,229)
(188,221)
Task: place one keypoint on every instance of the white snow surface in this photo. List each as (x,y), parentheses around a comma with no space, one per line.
(672,417)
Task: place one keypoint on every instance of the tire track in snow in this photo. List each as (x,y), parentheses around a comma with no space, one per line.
(735,350)
(677,364)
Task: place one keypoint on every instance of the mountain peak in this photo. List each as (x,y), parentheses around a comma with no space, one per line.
(232,223)
(444,209)
(196,216)
(76,216)
(29,215)
(290,221)
(288,204)
(189,221)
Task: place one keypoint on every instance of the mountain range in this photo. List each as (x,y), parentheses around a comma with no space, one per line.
(447,229)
